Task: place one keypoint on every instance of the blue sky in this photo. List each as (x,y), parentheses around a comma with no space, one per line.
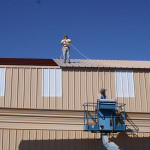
(100,29)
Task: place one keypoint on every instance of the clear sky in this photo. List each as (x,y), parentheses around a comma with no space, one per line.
(100,29)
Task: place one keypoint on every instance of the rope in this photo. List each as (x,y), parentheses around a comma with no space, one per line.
(79,51)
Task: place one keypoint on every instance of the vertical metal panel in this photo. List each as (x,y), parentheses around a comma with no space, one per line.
(147,82)
(101,79)
(46,88)
(83,87)
(58,83)
(12,137)
(107,83)
(39,89)
(2,81)
(27,89)
(143,92)
(8,87)
(6,139)
(46,81)
(112,83)
(65,89)
(89,87)
(59,137)
(32,139)
(71,89)
(52,83)
(14,95)
(118,79)
(124,83)
(21,86)
(46,142)
(130,83)
(77,91)
(1,139)
(95,88)
(2,86)
(26,137)
(72,140)
(19,136)
(137,91)
(65,139)
(78,142)
(58,98)
(33,87)
(39,137)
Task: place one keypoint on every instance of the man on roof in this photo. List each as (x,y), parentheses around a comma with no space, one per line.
(66,48)
(102,94)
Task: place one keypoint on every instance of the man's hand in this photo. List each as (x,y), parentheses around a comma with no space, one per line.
(63,41)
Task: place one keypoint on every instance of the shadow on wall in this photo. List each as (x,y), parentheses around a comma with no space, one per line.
(123,141)
(131,143)
(82,144)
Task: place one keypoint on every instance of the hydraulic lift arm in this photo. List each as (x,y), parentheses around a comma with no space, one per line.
(108,144)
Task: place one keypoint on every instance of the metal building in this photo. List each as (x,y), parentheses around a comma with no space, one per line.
(41,102)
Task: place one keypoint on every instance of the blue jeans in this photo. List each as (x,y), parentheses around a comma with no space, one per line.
(66,51)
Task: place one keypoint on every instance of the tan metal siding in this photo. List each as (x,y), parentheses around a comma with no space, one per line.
(83,85)
(14,90)
(20,88)
(58,119)
(33,88)
(77,94)
(65,93)
(90,81)
(39,89)
(24,89)
(60,140)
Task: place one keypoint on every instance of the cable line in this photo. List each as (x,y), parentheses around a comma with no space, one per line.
(79,51)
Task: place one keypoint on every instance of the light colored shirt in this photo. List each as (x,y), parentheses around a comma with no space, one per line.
(66,42)
(100,96)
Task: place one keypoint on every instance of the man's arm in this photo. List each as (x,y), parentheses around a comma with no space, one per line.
(62,41)
(69,41)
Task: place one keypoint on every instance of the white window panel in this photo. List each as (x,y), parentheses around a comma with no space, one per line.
(52,83)
(59,82)
(124,83)
(2,81)
(46,84)
(131,84)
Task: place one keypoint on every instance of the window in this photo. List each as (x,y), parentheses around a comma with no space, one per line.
(52,83)
(2,81)
(124,83)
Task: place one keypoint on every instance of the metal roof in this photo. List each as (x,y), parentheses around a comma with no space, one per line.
(104,63)
(28,62)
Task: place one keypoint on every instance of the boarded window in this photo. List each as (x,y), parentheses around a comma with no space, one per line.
(124,83)
(2,81)
(52,83)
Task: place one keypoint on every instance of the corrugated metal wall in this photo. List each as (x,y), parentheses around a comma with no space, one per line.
(67,140)
(83,85)
(58,119)
(23,89)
